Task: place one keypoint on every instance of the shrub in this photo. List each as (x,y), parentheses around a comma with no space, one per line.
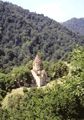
(76,71)
(25,89)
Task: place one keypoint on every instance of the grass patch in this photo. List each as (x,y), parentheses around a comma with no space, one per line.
(13,92)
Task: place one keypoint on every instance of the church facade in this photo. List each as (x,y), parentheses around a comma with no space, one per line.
(40,76)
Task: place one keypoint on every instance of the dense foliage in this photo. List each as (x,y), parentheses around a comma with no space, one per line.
(62,102)
(6,84)
(76,25)
(23,34)
(16,78)
(59,69)
(22,73)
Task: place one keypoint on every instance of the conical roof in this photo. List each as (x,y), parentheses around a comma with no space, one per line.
(37,59)
(43,72)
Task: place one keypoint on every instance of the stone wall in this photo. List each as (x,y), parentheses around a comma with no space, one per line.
(37,78)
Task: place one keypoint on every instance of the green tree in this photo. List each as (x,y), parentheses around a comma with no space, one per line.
(22,73)
(59,69)
(30,64)
(47,67)
(6,84)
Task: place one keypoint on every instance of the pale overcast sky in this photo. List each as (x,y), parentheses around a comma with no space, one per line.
(59,10)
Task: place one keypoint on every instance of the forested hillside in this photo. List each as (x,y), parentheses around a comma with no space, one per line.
(76,25)
(61,102)
(23,34)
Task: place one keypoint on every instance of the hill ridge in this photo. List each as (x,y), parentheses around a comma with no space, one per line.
(75,24)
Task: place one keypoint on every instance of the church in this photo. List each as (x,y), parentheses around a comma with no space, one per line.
(40,76)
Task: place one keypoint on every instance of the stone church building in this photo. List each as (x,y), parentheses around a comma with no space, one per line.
(40,76)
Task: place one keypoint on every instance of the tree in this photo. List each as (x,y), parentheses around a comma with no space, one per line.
(47,67)
(6,84)
(30,64)
(22,74)
(59,69)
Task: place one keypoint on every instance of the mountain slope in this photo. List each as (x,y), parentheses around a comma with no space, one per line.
(58,102)
(75,24)
(23,34)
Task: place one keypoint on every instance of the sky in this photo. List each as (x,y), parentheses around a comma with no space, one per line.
(59,10)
